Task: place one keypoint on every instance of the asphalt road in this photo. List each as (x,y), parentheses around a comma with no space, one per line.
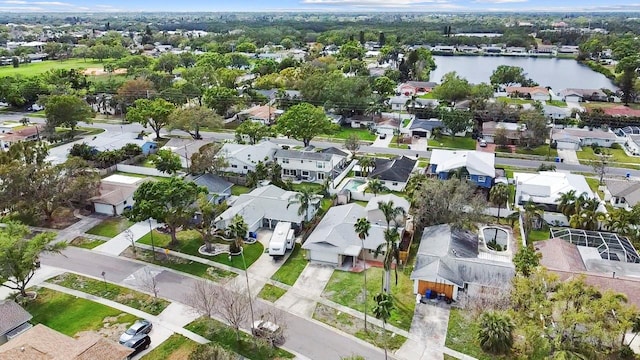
(303,336)
(111,128)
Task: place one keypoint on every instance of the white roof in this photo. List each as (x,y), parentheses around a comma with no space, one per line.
(115,142)
(546,187)
(476,162)
(397,201)
(250,154)
(122,179)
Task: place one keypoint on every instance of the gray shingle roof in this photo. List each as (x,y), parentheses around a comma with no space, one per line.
(215,184)
(629,190)
(426,124)
(398,169)
(12,315)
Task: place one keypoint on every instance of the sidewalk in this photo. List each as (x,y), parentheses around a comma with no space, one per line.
(119,243)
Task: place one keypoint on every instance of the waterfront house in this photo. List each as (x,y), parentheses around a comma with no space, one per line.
(537,93)
(310,166)
(242,158)
(621,111)
(416,87)
(477,166)
(578,95)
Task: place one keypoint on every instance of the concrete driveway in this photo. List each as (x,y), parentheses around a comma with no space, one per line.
(419,144)
(569,156)
(383,143)
(310,284)
(428,332)
(158,335)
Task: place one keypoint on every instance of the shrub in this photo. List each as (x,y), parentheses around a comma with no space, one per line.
(616,146)
(496,332)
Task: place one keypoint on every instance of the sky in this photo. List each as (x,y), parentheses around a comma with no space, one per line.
(317,5)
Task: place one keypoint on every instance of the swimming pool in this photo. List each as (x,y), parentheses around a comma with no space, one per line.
(354,184)
(495,238)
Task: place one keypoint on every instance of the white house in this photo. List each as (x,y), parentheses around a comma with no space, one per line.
(243,158)
(565,137)
(546,187)
(116,194)
(265,206)
(555,112)
(393,173)
(622,193)
(311,166)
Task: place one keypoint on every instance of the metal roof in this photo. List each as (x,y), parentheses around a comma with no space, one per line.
(610,246)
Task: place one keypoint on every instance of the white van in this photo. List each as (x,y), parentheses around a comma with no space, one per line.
(282,239)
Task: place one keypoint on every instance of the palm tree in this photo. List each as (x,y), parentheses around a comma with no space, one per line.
(391,254)
(238,230)
(362,227)
(366,163)
(303,199)
(496,332)
(566,203)
(382,310)
(414,184)
(588,218)
(375,187)
(532,213)
(391,212)
(499,195)
(618,220)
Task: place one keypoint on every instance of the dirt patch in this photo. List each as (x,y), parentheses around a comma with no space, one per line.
(181,353)
(100,71)
(112,328)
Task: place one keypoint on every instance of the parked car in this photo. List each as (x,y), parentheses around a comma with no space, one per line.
(383,136)
(268,331)
(138,343)
(140,327)
(483,143)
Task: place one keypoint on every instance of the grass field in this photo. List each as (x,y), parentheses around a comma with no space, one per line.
(271,293)
(514,101)
(344,133)
(542,150)
(110,227)
(557,103)
(462,336)
(345,288)
(539,235)
(239,190)
(617,156)
(455,142)
(69,314)
(292,268)
(85,243)
(37,68)
(176,347)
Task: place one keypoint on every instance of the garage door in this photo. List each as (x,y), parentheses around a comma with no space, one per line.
(323,256)
(565,145)
(419,133)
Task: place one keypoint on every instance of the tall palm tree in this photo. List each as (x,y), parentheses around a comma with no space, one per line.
(391,212)
(362,227)
(382,310)
(499,195)
(366,164)
(566,203)
(304,199)
(238,230)
(496,332)
(375,187)
(391,255)
(588,218)
(414,184)
(618,220)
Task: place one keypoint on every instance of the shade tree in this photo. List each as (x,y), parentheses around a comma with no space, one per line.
(153,113)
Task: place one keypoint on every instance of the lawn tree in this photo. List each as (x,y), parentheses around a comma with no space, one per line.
(135,89)
(375,187)
(384,86)
(207,213)
(456,121)
(167,62)
(254,130)
(19,254)
(600,166)
(149,283)
(203,297)
(192,119)
(452,88)
(167,201)
(66,111)
(220,99)
(362,227)
(508,75)
(153,113)
(382,311)
(128,234)
(499,195)
(500,137)
(526,260)
(352,143)
(304,199)
(495,333)
(274,316)
(419,64)
(303,122)
(167,161)
(535,125)
(208,159)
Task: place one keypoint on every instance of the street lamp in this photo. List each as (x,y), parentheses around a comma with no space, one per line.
(153,247)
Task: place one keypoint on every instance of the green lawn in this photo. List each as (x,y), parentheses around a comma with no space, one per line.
(617,155)
(344,133)
(85,243)
(315,187)
(542,150)
(239,190)
(70,315)
(189,241)
(538,235)
(174,348)
(110,227)
(184,265)
(37,68)
(119,294)
(292,268)
(557,103)
(423,163)
(345,288)
(428,95)
(462,336)
(271,293)
(455,142)
(394,144)
(514,101)
(405,122)
(593,185)
(225,336)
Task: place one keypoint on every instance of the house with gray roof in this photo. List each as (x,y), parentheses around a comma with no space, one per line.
(424,127)
(218,188)
(242,158)
(14,320)
(622,193)
(393,173)
(310,166)
(335,242)
(450,262)
(265,207)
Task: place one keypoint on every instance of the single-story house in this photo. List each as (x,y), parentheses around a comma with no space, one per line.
(10,136)
(118,141)
(402,102)
(242,158)
(555,112)
(513,131)
(622,193)
(565,138)
(479,165)
(572,259)
(334,240)
(116,194)
(218,188)
(185,148)
(393,173)
(416,87)
(360,121)
(546,187)
(15,320)
(569,95)
(310,166)
(538,93)
(264,114)
(621,111)
(387,125)
(424,127)
(265,206)
(632,144)
(399,103)
(41,342)
(449,262)
(578,95)
(376,216)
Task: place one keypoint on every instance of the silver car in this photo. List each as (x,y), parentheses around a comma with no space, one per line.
(140,327)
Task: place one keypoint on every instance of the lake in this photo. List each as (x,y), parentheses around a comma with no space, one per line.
(557,73)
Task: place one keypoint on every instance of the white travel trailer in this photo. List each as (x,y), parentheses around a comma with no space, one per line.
(282,239)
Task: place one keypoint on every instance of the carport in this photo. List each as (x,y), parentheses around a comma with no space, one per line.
(353,251)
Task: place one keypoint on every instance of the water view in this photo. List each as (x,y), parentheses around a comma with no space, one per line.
(557,73)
